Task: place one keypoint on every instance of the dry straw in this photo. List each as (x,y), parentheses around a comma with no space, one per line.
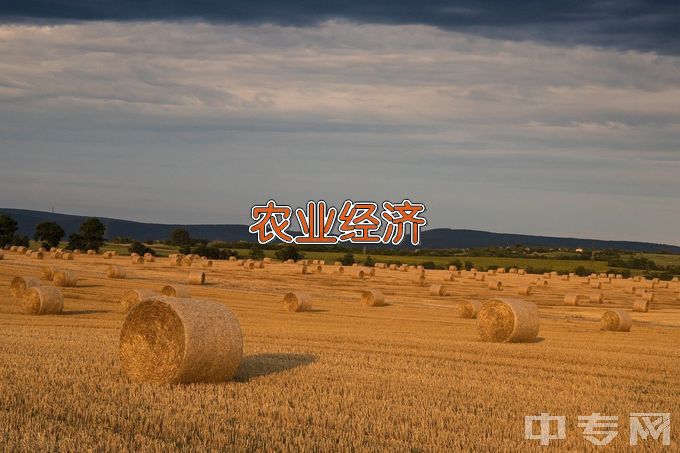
(372,298)
(450,277)
(176,291)
(37,255)
(597,298)
(303,269)
(108,255)
(48,272)
(359,274)
(180,341)
(297,301)
(649,297)
(341,270)
(575,299)
(438,290)
(91,252)
(641,305)
(20,285)
(496,285)
(67,256)
(43,300)
(196,278)
(508,320)
(137,259)
(115,271)
(525,290)
(616,321)
(65,278)
(469,309)
(149,258)
(207,263)
(135,296)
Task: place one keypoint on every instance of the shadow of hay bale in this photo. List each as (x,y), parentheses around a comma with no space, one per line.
(258,365)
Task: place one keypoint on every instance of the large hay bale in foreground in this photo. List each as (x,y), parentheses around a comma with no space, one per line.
(372,298)
(43,300)
(115,271)
(616,321)
(196,278)
(20,285)
(176,291)
(438,290)
(65,278)
(469,309)
(180,341)
(297,301)
(641,305)
(508,321)
(136,296)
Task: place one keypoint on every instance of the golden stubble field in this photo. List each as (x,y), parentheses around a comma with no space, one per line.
(409,376)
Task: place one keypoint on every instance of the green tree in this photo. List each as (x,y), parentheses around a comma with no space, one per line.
(289,252)
(8,226)
(348,259)
(181,237)
(369,262)
(140,249)
(50,233)
(256,252)
(89,236)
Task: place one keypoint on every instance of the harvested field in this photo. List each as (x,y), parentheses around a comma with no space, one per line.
(412,375)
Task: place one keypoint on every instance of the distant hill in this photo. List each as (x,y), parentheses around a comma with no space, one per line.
(432,239)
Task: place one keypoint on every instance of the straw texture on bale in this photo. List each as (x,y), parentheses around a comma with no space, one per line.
(525,290)
(641,305)
(393,267)
(297,301)
(597,298)
(37,255)
(371,271)
(649,297)
(108,255)
(176,291)
(137,259)
(616,321)
(521,272)
(207,263)
(65,278)
(541,283)
(21,249)
(372,298)
(180,341)
(149,258)
(450,277)
(91,252)
(43,300)
(496,285)
(438,290)
(508,321)
(115,271)
(196,278)
(421,280)
(135,296)
(575,299)
(13,248)
(20,285)
(341,270)
(48,272)
(480,277)
(67,256)
(469,309)
(359,274)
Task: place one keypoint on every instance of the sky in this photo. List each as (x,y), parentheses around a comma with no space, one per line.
(551,118)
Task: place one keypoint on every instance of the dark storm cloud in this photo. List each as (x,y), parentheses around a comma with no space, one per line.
(622,24)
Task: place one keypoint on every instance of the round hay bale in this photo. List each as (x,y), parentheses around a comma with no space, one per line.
(134,255)
(135,296)
(469,309)
(392,267)
(341,270)
(525,290)
(450,277)
(547,275)
(438,290)
(259,264)
(180,341)
(37,255)
(76,251)
(91,252)
(266,260)
(21,249)
(43,300)
(19,285)
(616,321)
(48,272)
(303,269)
(480,277)
(649,297)
(207,263)
(540,283)
(508,321)
(574,299)
(137,259)
(115,271)
(337,263)
(500,270)
(149,258)
(232,258)
(68,256)
(372,298)
(297,301)
(565,278)
(176,291)
(319,269)
(453,268)
(196,278)
(641,305)
(597,298)
(491,272)
(421,280)
(371,272)
(496,285)
(359,274)
(513,270)
(521,271)
(65,278)
(107,255)
(13,248)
